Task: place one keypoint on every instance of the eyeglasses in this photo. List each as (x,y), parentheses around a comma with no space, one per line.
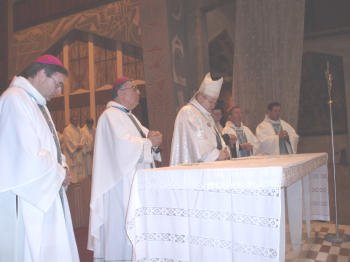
(131,87)
(58,84)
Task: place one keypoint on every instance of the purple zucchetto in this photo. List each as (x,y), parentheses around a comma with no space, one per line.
(120,81)
(49,60)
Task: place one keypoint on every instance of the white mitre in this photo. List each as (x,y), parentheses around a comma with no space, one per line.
(210,87)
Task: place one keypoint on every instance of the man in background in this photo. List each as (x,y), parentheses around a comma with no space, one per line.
(73,146)
(246,144)
(87,138)
(276,136)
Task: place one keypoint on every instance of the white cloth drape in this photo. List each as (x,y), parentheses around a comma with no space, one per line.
(219,211)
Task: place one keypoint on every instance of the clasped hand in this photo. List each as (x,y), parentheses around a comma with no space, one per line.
(156,137)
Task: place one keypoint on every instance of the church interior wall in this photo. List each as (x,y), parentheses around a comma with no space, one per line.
(209,31)
(220,26)
(219,22)
(314,144)
(121,18)
(221,31)
(35,12)
(76,33)
(95,45)
(220,19)
(338,45)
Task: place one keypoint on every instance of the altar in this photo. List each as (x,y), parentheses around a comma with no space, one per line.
(232,210)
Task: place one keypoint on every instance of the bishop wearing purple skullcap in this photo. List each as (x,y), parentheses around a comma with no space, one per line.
(35,221)
(49,60)
(122,146)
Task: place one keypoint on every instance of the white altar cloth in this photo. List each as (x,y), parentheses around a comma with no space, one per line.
(225,211)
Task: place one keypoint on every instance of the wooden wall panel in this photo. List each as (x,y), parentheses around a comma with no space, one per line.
(58,119)
(105,66)
(78,65)
(30,13)
(132,62)
(116,21)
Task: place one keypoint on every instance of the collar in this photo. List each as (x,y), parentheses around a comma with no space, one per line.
(118,106)
(238,127)
(231,124)
(197,105)
(267,119)
(23,83)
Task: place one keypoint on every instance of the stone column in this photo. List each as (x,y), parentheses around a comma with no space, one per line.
(164,54)
(268,57)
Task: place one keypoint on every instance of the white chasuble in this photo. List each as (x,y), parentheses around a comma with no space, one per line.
(119,151)
(34,218)
(230,129)
(194,137)
(269,140)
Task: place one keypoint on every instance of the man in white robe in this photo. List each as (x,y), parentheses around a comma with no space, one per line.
(276,136)
(246,143)
(122,146)
(35,222)
(73,149)
(87,138)
(196,138)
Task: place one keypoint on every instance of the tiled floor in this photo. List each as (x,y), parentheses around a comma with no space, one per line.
(317,249)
